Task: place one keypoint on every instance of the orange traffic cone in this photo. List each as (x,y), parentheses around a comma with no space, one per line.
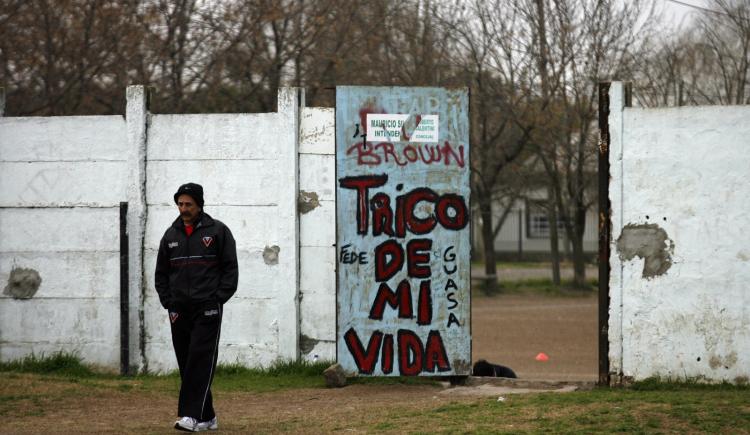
(542,357)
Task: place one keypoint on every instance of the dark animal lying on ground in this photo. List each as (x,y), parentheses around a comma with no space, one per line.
(484,368)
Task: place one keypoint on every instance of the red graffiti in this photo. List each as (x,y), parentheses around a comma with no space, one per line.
(382,217)
(434,354)
(418,258)
(362,184)
(365,359)
(388,153)
(424,304)
(387,361)
(414,357)
(410,353)
(450,210)
(389,259)
(401,299)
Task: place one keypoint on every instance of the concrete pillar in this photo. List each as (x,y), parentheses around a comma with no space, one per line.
(136,116)
(615,120)
(290,104)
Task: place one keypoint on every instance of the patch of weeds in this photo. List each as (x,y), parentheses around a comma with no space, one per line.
(669,384)
(279,375)
(59,363)
(278,368)
(385,426)
(21,405)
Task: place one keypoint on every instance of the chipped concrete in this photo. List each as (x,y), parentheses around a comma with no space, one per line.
(307,344)
(461,366)
(271,255)
(22,283)
(649,242)
(727,362)
(684,169)
(714,362)
(307,202)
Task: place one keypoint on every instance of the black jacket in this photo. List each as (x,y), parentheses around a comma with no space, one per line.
(196,269)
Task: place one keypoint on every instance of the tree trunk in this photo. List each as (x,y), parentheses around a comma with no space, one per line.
(579,259)
(477,239)
(488,240)
(553,237)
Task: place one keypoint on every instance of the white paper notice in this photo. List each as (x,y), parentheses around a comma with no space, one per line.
(402,128)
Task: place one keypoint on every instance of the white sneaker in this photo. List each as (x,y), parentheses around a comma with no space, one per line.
(212,424)
(188,424)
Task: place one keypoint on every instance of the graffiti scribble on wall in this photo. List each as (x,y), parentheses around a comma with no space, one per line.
(403,231)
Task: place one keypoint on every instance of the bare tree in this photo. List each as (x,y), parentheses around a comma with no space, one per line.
(492,42)
(592,41)
(65,56)
(726,35)
(706,63)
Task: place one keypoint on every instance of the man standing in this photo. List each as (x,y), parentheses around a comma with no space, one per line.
(196,273)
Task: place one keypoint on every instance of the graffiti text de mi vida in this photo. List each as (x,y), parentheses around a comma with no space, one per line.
(379,214)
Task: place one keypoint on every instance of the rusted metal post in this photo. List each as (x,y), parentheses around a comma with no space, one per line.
(124,292)
(605,233)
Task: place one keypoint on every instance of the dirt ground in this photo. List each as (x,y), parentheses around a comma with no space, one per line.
(512,330)
(507,329)
(70,408)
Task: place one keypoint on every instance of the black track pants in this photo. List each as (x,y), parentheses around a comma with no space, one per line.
(195,336)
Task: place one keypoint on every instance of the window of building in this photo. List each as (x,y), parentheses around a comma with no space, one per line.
(537,221)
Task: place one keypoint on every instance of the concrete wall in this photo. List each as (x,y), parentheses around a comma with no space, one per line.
(317,208)
(680,261)
(61,182)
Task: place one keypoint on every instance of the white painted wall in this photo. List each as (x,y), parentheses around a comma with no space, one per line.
(317,170)
(246,164)
(686,170)
(61,182)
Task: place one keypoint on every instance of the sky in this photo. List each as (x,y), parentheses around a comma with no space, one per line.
(675,12)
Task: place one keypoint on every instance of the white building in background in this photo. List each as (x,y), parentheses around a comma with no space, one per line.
(525,233)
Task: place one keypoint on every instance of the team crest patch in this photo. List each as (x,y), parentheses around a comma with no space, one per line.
(208,240)
(173,316)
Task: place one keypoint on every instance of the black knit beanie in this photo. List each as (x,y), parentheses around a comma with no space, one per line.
(192,189)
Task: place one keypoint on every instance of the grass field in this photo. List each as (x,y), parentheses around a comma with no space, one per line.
(56,394)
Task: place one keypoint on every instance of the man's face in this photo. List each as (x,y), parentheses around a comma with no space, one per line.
(189,210)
